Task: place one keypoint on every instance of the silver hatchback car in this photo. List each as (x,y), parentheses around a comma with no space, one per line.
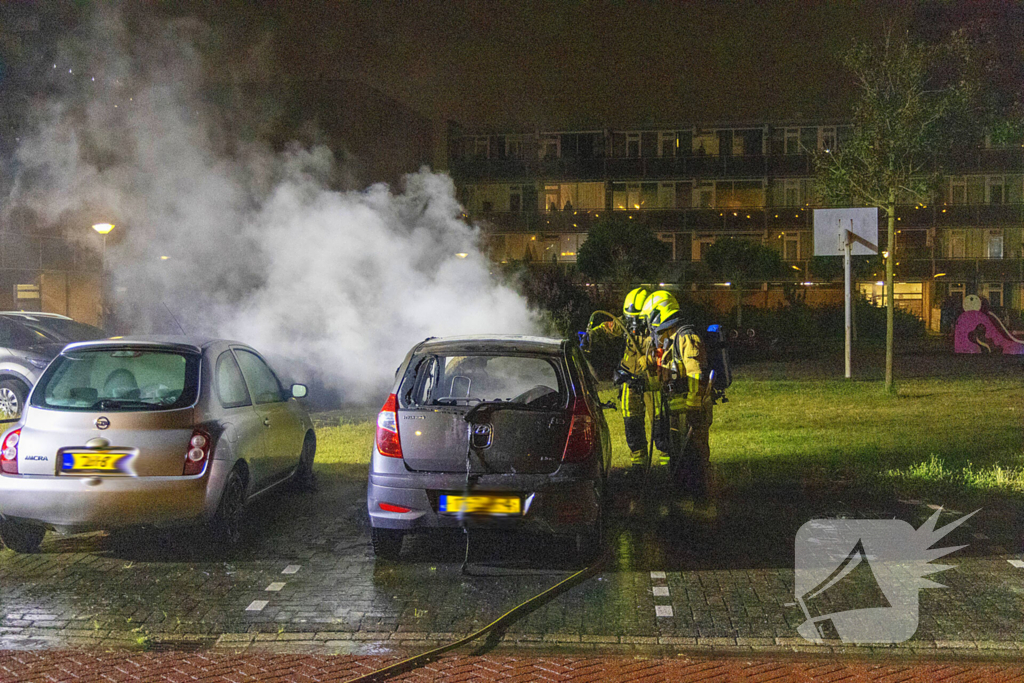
(150,431)
(505,432)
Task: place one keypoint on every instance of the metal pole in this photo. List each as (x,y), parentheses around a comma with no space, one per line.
(847,253)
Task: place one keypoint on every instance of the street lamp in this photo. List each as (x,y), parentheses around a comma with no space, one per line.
(103,229)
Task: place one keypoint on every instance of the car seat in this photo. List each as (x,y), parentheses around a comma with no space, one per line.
(121,384)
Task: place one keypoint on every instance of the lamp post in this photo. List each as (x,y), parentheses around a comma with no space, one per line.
(103,229)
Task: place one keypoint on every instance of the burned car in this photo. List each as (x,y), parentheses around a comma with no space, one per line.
(503,431)
(150,431)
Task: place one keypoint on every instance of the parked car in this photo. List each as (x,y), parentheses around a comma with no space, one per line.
(502,431)
(150,431)
(28,342)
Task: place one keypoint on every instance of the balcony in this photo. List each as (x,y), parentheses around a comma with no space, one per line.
(634,168)
(660,220)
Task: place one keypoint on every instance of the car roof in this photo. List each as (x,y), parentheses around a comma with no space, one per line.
(186,342)
(33,314)
(488,342)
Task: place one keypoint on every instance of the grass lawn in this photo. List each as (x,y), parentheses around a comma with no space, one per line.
(956,435)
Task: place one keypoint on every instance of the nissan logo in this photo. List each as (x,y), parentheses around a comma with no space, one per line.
(102,422)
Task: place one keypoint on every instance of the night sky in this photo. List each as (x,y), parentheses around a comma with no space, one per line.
(559,64)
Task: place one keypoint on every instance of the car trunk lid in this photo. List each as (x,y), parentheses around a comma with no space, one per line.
(150,443)
(497,439)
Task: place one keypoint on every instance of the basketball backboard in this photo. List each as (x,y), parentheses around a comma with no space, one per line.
(830,226)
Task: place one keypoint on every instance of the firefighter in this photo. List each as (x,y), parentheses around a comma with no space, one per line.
(683,368)
(632,374)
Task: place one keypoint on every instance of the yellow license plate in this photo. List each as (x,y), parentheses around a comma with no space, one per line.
(92,462)
(481,505)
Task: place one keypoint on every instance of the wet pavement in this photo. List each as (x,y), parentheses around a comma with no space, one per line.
(306,582)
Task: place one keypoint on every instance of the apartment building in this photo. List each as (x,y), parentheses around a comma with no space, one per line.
(537,193)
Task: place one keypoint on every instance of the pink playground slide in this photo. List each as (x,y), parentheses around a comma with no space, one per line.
(978,331)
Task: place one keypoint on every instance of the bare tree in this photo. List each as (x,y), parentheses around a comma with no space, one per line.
(915,106)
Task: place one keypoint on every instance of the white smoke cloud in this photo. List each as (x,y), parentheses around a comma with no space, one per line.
(259,246)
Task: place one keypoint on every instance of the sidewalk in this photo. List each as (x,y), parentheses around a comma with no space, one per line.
(83,666)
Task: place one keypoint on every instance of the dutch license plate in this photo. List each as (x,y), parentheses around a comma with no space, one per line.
(482,505)
(93,462)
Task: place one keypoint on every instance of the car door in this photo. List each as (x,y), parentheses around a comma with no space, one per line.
(246,426)
(282,428)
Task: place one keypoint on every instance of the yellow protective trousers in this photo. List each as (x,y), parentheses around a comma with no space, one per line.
(634,401)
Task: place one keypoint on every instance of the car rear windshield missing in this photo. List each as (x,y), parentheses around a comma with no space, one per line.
(470,379)
(120,379)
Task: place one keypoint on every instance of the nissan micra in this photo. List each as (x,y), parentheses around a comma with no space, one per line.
(156,431)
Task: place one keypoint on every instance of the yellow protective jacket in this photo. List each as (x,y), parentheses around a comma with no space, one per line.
(636,359)
(685,360)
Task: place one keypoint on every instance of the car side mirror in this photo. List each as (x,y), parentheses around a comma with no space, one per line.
(299,390)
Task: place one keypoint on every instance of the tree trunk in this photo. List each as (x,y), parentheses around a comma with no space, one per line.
(890,290)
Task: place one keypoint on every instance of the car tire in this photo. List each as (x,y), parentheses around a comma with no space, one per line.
(387,543)
(12,399)
(21,537)
(304,478)
(227,524)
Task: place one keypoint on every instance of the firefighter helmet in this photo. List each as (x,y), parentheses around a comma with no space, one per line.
(655,298)
(664,314)
(634,302)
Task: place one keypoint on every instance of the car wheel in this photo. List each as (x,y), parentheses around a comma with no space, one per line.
(304,478)
(387,543)
(21,537)
(227,523)
(12,399)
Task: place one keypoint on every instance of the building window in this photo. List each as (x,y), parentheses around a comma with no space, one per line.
(669,238)
(827,138)
(995,190)
(481,146)
(957,244)
(958,290)
(666,195)
(550,147)
(958,190)
(667,144)
(993,291)
(704,195)
(792,141)
(791,248)
(633,145)
(994,244)
(515,198)
(514,147)
(552,197)
(700,245)
(791,193)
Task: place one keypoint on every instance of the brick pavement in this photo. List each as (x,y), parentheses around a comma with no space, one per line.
(307,583)
(87,666)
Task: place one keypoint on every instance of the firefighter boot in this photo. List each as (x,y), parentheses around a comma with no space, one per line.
(637,459)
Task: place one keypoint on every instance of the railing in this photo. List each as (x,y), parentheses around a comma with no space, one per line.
(741,219)
(632,168)
(1007,160)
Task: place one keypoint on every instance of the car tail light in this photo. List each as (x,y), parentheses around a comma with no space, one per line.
(388,507)
(388,441)
(580,443)
(198,452)
(9,453)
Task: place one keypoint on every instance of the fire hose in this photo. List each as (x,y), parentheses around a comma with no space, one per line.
(495,626)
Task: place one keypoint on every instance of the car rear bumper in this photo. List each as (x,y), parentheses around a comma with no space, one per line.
(74,504)
(549,506)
